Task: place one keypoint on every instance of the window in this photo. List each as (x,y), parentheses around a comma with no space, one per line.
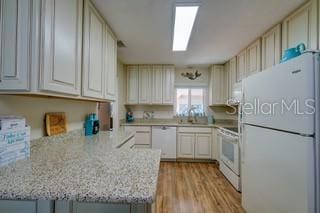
(190,97)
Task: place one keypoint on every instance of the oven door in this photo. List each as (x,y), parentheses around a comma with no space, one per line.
(229,151)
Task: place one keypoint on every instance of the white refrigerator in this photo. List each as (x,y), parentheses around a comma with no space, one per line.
(280,138)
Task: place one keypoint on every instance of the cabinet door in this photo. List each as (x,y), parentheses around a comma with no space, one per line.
(145,84)
(253,58)
(93,53)
(60,69)
(132,84)
(14,206)
(15,44)
(301,26)
(168,84)
(111,66)
(232,79)
(223,86)
(143,138)
(157,84)
(241,65)
(186,143)
(271,47)
(215,148)
(219,85)
(203,146)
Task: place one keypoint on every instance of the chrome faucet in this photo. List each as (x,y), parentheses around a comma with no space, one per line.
(194,118)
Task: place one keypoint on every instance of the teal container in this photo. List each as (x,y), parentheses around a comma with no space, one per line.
(211,119)
(293,52)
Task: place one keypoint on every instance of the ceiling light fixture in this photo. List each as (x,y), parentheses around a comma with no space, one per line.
(184,18)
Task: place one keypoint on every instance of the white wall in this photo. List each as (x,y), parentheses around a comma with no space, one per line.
(202,80)
(34,109)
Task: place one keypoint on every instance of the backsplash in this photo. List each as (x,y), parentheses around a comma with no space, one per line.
(163,112)
(34,109)
(167,112)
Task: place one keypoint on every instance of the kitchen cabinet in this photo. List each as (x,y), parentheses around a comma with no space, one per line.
(168,84)
(232,76)
(157,84)
(18,206)
(142,135)
(15,44)
(92,207)
(194,143)
(150,84)
(61,46)
(215,147)
(93,52)
(301,26)
(145,81)
(203,146)
(186,143)
(218,90)
(132,84)
(271,47)
(253,58)
(241,65)
(111,65)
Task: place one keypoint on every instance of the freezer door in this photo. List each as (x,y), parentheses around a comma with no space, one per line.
(282,97)
(277,172)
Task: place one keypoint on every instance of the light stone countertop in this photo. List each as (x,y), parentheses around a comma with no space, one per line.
(174,122)
(85,169)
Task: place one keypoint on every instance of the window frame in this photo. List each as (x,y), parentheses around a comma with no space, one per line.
(205,97)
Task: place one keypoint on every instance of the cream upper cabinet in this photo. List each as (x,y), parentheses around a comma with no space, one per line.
(145,79)
(111,65)
(241,65)
(61,46)
(132,84)
(301,27)
(232,75)
(203,146)
(157,84)
(253,58)
(186,143)
(218,91)
(93,53)
(271,47)
(15,44)
(168,84)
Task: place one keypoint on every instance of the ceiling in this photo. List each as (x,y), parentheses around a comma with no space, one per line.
(221,30)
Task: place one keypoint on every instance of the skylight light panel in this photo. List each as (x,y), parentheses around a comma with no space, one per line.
(183,24)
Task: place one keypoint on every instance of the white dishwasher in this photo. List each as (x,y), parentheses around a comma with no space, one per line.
(165,138)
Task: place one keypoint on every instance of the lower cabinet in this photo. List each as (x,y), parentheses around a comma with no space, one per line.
(142,136)
(215,147)
(85,207)
(18,206)
(186,142)
(194,143)
(203,146)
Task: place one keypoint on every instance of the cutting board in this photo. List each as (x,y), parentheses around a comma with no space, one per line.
(55,123)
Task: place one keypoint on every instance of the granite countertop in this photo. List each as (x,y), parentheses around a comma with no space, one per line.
(174,122)
(85,169)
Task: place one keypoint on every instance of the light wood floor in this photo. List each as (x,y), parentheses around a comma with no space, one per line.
(195,187)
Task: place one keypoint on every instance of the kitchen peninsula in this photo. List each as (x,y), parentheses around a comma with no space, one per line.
(74,173)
